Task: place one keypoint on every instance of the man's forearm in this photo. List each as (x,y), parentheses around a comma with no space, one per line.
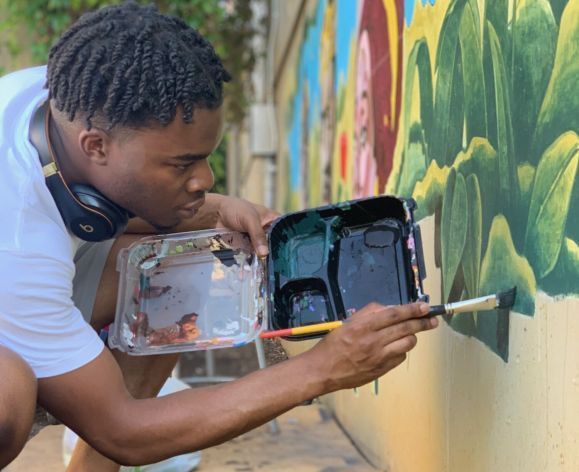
(199,418)
(140,431)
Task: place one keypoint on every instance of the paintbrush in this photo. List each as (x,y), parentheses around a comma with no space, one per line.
(310,329)
(501,300)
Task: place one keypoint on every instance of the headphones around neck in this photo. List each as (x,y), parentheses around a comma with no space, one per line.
(86,212)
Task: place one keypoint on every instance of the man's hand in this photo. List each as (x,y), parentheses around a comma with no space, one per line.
(240,215)
(373,341)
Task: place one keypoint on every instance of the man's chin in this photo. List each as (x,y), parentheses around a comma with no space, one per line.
(164,228)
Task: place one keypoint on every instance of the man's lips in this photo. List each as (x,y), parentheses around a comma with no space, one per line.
(190,209)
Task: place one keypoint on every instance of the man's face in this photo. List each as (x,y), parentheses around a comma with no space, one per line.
(161,174)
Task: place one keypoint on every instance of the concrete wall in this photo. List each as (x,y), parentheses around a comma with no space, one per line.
(471,107)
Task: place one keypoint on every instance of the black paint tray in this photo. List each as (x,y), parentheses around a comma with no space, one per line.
(325,263)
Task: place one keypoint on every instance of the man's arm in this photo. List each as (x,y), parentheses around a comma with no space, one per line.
(94,402)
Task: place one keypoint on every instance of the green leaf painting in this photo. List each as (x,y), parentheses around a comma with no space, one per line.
(557,6)
(419,62)
(481,159)
(526,176)
(554,180)
(444,144)
(497,14)
(505,147)
(473,244)
(487,143)
(535,39)
(453,229)
(561,102)
(428,192)
(564,278)
(413,166)
(473,75)
(502,268)
(501,153)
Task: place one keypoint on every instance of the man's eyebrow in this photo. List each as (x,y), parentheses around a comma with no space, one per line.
(190,157)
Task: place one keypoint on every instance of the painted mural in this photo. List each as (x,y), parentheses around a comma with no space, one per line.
(471,108)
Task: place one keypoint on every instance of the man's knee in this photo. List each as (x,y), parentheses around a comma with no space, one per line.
(17,404)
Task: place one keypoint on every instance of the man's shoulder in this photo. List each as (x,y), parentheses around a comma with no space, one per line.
(22,85)
(22,78)
(26,201)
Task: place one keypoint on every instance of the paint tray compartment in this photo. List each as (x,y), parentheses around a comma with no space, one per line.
(187,292)
(326,263)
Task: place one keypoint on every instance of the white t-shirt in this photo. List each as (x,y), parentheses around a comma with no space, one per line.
(38,319)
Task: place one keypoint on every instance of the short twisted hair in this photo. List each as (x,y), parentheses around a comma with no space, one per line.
(130,65)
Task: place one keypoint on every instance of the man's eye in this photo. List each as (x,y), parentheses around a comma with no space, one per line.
(181,167)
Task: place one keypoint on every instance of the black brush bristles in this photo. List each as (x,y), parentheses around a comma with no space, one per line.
(506,299)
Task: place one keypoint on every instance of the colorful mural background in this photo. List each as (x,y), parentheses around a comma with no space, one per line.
(471,108)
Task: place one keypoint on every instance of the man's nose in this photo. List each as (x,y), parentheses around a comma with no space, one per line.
(201,179)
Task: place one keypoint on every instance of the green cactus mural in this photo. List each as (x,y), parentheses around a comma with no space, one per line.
(482,97)
(504,188)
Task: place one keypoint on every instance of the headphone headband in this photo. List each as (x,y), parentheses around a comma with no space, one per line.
(86,212)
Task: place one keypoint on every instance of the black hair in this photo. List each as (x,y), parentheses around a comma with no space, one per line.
(130,65)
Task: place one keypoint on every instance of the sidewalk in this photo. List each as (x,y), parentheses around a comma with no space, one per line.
(309,440)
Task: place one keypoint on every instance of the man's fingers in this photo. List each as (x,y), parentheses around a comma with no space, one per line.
(407,328)
(384,316)
(269,217)
(257,234)
(400,346)
(396,361)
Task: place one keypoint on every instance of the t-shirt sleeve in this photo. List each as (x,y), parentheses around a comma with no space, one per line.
(38,319)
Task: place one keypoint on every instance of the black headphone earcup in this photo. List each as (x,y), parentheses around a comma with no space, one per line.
(110,218)
(86,212)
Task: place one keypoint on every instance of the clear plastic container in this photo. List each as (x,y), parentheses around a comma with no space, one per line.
(207,289)
(187,292)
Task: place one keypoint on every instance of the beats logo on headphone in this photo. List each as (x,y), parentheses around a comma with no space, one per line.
(86,212)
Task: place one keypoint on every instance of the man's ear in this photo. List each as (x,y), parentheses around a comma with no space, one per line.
(95,144)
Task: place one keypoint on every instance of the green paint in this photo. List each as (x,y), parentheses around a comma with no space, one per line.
(413,163)
(481,159)
(502,268)
(555,177)
(526,176)
(446,141)
(429,191)
(564,278)
(472,249)
(561,101)
(535,40)
(308,239)
(475,114)
(453,229)
(418,61)
(510,195)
